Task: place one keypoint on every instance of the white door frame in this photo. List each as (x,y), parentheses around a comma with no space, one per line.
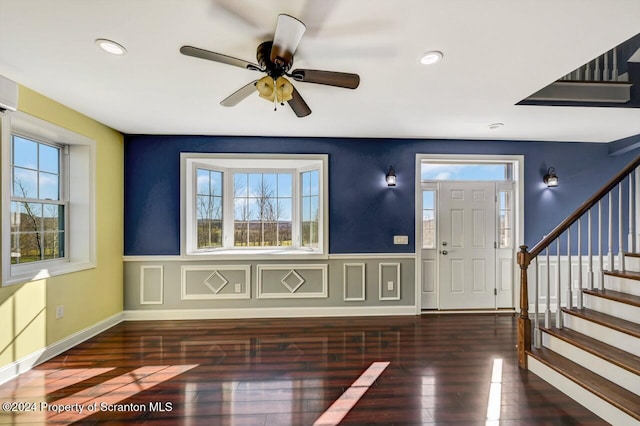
(518,178)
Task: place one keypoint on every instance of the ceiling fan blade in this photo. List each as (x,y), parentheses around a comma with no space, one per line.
(330,78)
(239,95)
(217,57)
(289,32)
(298,105)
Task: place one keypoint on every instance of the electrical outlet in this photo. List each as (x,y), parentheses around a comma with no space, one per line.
(390,285)
(59,311)
(238,287)
(400,239)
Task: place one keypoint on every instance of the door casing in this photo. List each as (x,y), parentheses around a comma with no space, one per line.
(517,162)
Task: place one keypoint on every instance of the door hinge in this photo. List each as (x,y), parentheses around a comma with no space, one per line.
(495,291)
(495,244)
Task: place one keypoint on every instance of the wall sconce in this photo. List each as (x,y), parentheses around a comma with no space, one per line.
(391,177)
(551,179)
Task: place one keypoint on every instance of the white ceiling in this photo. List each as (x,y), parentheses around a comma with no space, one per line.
(496,52)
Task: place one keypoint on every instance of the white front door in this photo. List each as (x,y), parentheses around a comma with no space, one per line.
(466,245)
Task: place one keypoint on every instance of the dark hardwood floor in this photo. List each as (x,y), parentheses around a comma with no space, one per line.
(289,372)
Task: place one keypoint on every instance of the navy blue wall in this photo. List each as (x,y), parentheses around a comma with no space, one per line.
(364,212)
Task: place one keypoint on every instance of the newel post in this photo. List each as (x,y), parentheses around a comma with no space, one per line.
(524,323)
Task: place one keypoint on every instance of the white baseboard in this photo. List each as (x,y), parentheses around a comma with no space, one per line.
(187,314)
(26,363)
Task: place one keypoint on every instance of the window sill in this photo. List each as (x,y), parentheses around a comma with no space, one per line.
(26,273)
(256,254)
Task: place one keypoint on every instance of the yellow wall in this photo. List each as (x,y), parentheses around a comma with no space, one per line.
(27,311)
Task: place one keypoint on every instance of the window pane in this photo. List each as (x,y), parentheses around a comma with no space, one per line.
(25,153)
(26,248)
(202,178)
(457,171)
(49,159)
(48,187)
(50,245)
(306,184)
(240,182)
(240,233)
(284,233)
(255,185)
(31,219)
(285,210)
(51,219)
(428,219)
(284,185)
(25,183)
(270,234)
(314,186)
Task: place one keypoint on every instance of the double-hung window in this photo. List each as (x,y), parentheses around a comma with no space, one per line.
(38,201)
(48,224)
(254,204)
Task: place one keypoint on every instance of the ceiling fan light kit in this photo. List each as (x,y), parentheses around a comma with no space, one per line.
(275,59)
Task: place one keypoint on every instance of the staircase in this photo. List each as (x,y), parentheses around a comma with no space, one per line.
(590,349)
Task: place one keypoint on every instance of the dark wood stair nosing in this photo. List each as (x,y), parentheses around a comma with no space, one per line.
(604,389)
(614,323)
(616,296)
(632,275)
(606,352)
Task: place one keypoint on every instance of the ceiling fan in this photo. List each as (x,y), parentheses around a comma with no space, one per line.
(275,59)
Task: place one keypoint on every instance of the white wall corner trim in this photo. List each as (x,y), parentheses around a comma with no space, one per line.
(26,363)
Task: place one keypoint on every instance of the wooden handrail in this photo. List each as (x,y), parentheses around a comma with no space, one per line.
(565,224)
(525,257)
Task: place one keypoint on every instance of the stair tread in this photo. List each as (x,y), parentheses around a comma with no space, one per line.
(623,274)
(622,359)
(617,296)
(615,395)
(623,326)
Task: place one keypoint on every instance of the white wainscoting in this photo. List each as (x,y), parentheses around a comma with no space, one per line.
(292,281)
(354,280)
(151,285)
(220,282)
(389,276)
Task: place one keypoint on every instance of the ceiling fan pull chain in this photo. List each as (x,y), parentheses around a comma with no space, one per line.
(275,95)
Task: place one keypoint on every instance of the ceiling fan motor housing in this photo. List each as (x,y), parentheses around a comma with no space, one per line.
(273,69)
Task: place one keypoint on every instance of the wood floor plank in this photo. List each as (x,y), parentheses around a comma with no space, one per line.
(289,371)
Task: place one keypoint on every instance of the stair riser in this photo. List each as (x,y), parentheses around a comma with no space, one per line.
(632,263)
(624,285)
(607,335)
(613,308)
(589,400)
(620,376)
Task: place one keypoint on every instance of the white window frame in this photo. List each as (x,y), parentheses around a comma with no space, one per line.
(250,163)
(78,173)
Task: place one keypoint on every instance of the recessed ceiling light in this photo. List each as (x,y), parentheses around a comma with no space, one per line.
(111,46)
(431,57)
(494,126)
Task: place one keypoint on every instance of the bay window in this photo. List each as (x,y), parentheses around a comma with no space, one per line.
(253,204)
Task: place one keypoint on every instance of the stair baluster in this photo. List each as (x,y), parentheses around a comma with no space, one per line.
(558,287)
(600,249)
(569,279)
(590,282)
(631,245)
(620,230)
(547,312)
(610,236)
(579,289)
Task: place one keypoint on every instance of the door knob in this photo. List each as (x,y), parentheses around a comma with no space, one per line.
(444,243)
(444,252)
